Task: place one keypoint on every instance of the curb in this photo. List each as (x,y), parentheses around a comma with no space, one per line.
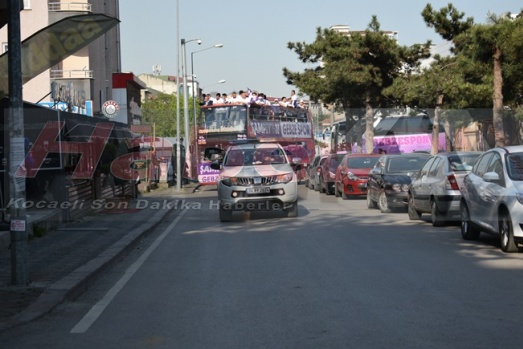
(77,282)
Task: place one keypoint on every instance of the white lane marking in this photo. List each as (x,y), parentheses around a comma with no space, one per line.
(94,313)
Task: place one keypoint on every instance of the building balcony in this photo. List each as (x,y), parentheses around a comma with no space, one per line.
(70,7)
(71,74)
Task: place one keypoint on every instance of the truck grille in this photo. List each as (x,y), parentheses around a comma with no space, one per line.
(248,181)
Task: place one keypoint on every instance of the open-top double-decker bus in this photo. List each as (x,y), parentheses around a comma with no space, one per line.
(220,124)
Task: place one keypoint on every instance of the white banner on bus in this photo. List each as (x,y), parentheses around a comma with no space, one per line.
(296,129)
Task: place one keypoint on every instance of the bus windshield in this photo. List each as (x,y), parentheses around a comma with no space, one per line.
(225,119)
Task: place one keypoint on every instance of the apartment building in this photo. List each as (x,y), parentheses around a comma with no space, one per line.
(83,80)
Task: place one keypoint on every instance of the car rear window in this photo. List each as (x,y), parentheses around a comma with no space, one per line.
(404,164)
(515,166)
(335,162)
(463,162)
(361,162)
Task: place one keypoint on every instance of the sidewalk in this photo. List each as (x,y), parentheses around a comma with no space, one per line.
(67,260)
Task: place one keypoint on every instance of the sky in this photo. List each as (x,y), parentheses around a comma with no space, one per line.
(255,35)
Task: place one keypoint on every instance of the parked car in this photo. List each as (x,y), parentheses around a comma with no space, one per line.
(328,172)
(312,172)
(436,187)
(390,178)
(295,151)
(352,174)
(256,176)
(492,197)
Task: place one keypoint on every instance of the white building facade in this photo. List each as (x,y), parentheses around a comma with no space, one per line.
(83,79)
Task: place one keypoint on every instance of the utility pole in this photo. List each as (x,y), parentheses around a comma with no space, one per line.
(16,143)
(178,151)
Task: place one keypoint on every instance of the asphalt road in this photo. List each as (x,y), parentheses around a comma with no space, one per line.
(338,276)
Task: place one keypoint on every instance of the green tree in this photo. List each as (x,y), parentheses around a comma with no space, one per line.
(354,70)
(161,110)
(496,43)
(450,83)
(448,22)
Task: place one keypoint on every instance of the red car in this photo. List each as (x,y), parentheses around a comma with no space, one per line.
(327,175)
(352,174)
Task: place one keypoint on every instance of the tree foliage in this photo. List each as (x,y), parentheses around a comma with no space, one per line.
(447,22)
(161,111)
(351,72)
(497,44)
(369,69)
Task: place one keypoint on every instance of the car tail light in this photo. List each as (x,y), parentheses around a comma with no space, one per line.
(452,183)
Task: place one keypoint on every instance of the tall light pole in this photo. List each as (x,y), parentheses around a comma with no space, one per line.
(192,74)
(185,99)
(178,152)
(14,145)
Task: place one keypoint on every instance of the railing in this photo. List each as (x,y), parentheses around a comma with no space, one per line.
(70,6)
(71,74)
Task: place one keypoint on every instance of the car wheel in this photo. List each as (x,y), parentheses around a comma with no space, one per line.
(506,233)
(437,217)
(293,210)
(322,186)
(225,215)
(327,190)
(414,214)
(311,184)
(468,231)
(383,203)
(336,190)
(370,203)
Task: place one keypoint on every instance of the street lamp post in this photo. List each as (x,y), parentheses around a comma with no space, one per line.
(178,152)
(219,82)
(192,74)
(185,100)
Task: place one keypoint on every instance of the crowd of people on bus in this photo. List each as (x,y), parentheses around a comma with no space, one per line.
(252,98)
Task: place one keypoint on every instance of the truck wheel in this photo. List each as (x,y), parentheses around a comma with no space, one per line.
(293,210)
(225,215)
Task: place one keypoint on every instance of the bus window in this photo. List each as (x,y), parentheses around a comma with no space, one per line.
(225,119)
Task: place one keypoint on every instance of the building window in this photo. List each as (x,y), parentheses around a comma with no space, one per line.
(27,4)
(4,47)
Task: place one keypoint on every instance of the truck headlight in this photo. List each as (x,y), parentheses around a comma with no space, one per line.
(285,178)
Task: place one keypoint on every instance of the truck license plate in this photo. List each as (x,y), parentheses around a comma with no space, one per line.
(258,190)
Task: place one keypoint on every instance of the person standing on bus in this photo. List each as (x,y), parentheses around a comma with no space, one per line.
(207,100)
(233,98)
(218,99)
(294,99)
(284,102)
(243,97)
